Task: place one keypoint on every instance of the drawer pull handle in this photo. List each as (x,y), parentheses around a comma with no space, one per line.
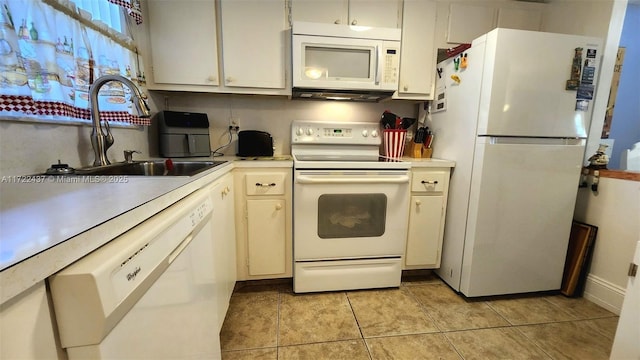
(434,182)
(266,185)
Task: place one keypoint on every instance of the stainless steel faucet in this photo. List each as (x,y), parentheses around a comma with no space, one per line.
(102,139)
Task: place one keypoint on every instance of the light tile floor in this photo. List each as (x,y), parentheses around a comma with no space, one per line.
(423,319)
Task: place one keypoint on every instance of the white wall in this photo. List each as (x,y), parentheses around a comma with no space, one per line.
(615,210)
(617,202)
(273,113)
(31,148)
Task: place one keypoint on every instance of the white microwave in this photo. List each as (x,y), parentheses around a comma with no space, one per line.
(343,59)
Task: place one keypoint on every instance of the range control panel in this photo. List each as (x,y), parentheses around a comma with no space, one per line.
(347,133)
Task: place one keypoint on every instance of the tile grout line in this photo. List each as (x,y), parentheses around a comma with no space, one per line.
(346,294)
(278,324)
(488,303)
(533,341)
(424,309)
(440,331)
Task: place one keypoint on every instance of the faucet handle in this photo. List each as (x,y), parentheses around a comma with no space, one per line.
(128,155)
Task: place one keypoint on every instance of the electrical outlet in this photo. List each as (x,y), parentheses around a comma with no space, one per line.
(234,122)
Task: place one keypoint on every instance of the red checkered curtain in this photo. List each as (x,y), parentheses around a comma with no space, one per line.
(132,7)
(49,60)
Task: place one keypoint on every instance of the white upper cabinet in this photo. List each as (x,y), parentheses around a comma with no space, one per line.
(377,13)
(218,46)
(466,22)
(327,11)
(182,36)
(519,19)
(418,51)
(254,43)
(380,13)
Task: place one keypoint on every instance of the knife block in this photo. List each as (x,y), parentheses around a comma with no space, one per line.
(427,152)
(414,150)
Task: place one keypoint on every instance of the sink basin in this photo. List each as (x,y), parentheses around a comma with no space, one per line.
(151,168)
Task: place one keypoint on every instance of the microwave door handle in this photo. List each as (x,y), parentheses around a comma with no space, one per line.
(378,59)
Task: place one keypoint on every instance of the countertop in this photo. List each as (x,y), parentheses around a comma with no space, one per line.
(47,225)
(429,162)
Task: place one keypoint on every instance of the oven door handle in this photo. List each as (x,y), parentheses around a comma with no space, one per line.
(403,179)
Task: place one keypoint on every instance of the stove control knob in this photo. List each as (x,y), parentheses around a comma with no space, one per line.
(374,133)
(309,131)
(365,133)
(300,131)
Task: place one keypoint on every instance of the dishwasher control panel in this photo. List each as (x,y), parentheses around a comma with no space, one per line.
(199,213)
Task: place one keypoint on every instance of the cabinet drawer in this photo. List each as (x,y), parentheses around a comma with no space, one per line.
(265,184)
(428,181)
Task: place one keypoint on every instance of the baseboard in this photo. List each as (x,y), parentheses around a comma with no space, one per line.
(604,293)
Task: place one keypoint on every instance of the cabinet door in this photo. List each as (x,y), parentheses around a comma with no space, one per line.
(266,236)
(224,243)
(423,240)
(380,13)
(522,19)
(327,11)
(26,327)
(253,43)
(467,22)
(418,55)
(183,42)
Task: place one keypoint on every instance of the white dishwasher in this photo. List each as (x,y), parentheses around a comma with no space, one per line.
(148,294)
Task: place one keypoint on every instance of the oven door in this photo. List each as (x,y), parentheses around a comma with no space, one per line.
(350,214)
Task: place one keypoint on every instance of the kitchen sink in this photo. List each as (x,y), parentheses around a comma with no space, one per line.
(152,168)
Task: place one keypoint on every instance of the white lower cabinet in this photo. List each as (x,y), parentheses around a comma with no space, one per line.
(266,250)
(27,330)
(427,209)
(263,223)
(224,242)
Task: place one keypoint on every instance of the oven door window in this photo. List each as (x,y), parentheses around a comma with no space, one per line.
(351,215)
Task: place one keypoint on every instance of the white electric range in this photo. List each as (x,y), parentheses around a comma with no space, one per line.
(350,208)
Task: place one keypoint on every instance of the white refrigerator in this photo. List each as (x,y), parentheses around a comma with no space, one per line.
(513,112)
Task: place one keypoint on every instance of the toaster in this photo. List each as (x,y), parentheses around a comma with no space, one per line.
(255,143)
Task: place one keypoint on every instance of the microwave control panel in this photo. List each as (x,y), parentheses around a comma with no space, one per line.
(391,63)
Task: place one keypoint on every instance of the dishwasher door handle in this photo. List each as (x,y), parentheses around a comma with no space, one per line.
(180,248)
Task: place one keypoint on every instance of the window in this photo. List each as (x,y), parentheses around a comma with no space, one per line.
(52,50)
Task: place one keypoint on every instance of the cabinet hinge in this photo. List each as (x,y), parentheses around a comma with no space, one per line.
(633,270)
